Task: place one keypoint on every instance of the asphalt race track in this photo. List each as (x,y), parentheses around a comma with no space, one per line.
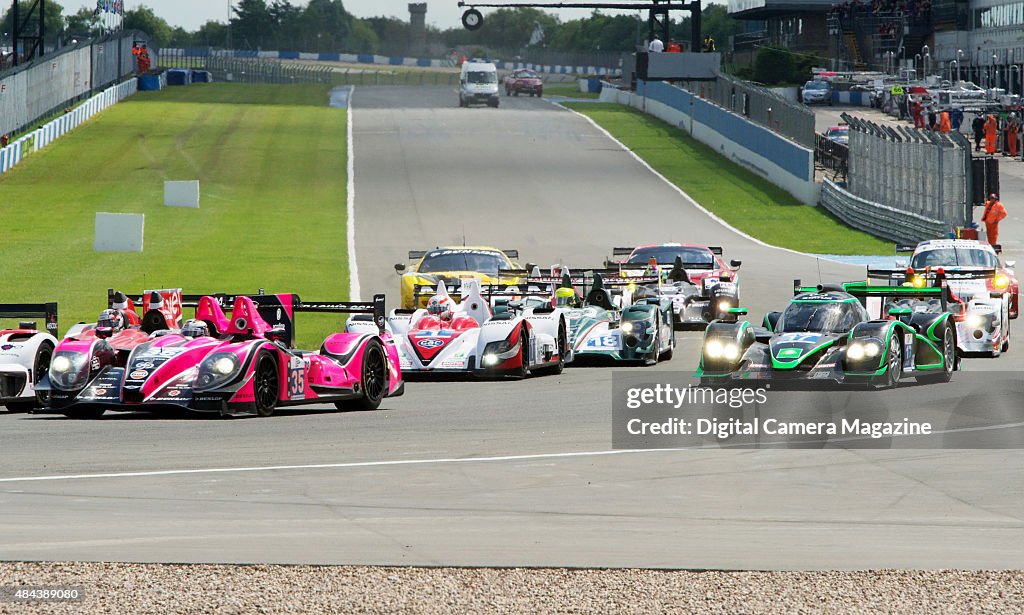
(501,473)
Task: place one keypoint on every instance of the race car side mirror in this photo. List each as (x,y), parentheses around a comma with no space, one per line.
(532,266)
(739,311)
(399,268)
(277,334)
(735,264)
(1011,264)
(900,311)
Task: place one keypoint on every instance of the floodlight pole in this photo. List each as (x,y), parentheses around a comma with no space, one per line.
(38,41)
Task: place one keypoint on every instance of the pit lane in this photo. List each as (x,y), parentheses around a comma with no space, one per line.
(533,177)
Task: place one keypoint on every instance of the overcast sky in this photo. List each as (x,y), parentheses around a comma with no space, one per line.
(190,14)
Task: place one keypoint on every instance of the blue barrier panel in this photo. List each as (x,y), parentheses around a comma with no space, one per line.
(857,98)
(330,57)
(245,53)
(500,65)
(288,55)
(395,61)
(365,58)
(789,156)
(423,62)
(197,52)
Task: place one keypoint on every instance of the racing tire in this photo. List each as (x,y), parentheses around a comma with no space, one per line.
(524,354)
(667,355)
(893,363)
(374,380)
(39,367)
(1006,342)
(265,385)
(563,349)
(949,359)
(85,413)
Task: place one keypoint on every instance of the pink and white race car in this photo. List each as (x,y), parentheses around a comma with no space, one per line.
(239,364)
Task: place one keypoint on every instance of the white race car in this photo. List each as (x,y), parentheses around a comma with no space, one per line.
(472,337)
(25,353)
(987,288)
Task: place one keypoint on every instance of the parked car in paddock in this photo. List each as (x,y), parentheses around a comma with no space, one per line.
(452,265)
(838,134)
(827,334)
(25,353)
(242,364)
(816,92)
(469,337)
(700,284)
(524,81)
(983,321)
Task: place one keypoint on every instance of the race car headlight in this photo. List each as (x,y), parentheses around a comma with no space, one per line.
(856,351)
(731,352)
(69,371)
(1001,281)
(496,352)
(217,370)
(975,320)
(871,349)
(714,349)
(918,281)
(490,359)
(627,327)
(723,306)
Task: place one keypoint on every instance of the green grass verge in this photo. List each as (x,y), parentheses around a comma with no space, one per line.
(271,161)
(569,91)
(738,196)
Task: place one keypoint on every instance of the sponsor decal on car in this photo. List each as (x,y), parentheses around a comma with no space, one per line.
(139,374)
(8,346)
(429,343)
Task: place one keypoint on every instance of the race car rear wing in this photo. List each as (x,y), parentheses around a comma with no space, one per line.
(415,255)
(376,308)
(922,277)
(47,311)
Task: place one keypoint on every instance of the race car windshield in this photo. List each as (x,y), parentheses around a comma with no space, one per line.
(666,255)
(528,76)
(954,257)
(821,317)
(480,76)
(816,85)
(481,262)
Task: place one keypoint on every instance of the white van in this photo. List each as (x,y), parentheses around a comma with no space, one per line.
(478,84)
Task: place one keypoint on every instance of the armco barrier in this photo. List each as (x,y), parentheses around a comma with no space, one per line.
(784,163)
(379,60)
(880,220)
(48,133)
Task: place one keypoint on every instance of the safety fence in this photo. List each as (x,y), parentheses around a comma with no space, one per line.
(36,140)
(890,223)
(195,54)
(50,84)
(917,172)
(777,159)
(759,105)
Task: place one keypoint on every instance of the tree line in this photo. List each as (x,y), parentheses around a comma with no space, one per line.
(326,26)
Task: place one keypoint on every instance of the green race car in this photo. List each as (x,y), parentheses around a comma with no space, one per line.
(852,333)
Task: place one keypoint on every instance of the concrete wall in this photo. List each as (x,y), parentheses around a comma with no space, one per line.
(754,147)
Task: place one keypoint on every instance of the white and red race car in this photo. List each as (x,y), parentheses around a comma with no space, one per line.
(476,338)
(25,353)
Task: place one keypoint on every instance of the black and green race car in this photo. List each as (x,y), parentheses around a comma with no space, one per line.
(842,333)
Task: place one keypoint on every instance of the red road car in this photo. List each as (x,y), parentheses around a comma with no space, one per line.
(524,80)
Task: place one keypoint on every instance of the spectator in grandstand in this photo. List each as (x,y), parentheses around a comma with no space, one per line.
(978,126)
(656,46)
(673,47)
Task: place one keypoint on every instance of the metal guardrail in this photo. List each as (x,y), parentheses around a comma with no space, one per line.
(880,220)
(917,172)
(760,105)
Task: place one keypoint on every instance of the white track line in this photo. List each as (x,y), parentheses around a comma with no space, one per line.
(321,466)
(353,266)
(684,194)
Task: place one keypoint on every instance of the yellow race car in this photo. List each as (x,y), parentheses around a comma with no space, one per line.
(451,265)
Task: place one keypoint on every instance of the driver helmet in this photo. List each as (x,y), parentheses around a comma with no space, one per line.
(440,307)
(110,319)
(565,297)
(195,328)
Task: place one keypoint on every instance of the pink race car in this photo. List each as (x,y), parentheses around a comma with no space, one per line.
(242,364)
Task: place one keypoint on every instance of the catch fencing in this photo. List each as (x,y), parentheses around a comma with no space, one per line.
(61,79)
(36,140)
(758,104)
(920,172)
